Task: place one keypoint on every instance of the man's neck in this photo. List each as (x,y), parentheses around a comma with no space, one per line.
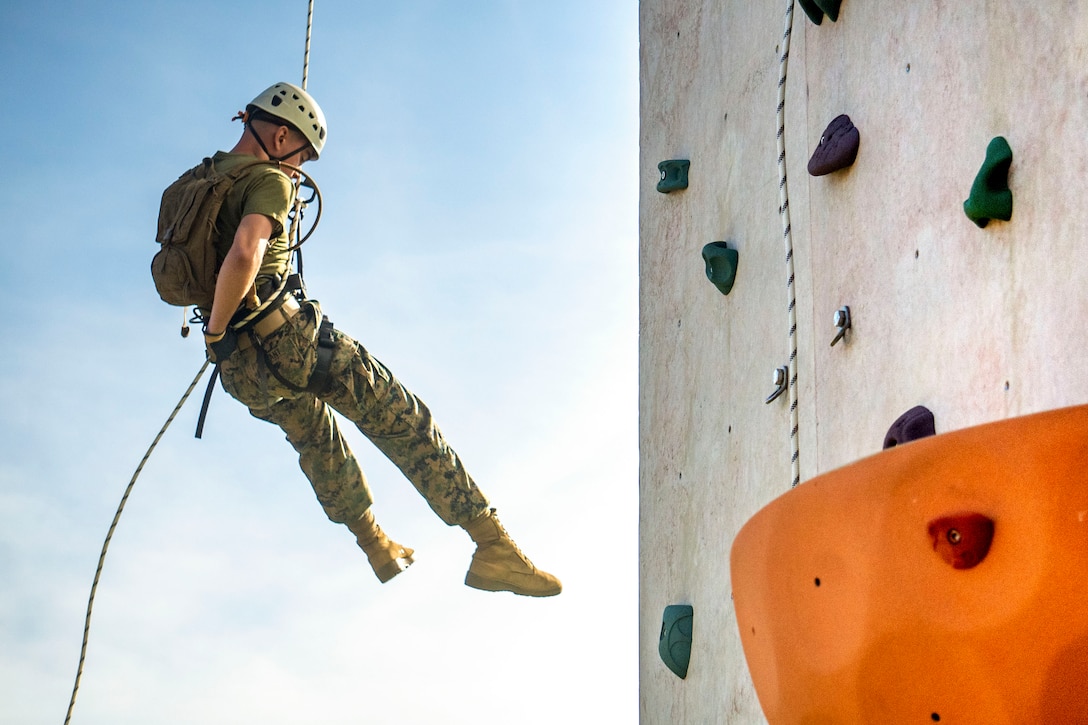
(249,147)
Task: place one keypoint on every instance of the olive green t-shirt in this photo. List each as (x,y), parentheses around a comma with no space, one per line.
(263,189)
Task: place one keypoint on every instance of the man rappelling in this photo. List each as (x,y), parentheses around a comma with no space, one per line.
(280,356)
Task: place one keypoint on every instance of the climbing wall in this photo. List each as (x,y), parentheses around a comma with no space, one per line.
(977,324)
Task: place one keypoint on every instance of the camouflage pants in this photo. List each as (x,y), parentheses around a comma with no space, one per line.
(364,391)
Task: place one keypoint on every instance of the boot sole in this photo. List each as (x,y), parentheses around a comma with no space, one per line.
(390,569)
(493,585)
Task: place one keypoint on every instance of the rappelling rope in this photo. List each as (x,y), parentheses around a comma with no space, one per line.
(109,535)
(784,212)
(306,56)
(300,204)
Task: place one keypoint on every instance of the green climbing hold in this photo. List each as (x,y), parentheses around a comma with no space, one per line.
(674,644)
(674,175)
(814,13)
(721,265)
(831,7)
(990,196)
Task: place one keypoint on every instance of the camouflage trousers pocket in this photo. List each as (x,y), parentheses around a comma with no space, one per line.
(291,350)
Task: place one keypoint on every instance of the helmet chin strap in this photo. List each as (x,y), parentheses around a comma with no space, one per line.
(249,126)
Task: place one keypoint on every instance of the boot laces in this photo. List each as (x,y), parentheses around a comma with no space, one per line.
(506,535)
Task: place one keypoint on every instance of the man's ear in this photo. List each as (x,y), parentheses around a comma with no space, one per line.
(283,135)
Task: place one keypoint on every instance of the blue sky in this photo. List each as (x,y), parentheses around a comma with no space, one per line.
(479,237)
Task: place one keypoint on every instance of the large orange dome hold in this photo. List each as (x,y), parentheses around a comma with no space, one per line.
(945,580)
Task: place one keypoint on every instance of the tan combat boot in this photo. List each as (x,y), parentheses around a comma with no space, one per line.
(387,558)
(499,566)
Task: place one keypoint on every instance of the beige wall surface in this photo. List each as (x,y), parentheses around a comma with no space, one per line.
(976,324)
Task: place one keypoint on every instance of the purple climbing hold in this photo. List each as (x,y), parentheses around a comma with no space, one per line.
(838,147)
(914,424)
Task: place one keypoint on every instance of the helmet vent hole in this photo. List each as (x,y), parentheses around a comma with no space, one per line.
(276,100)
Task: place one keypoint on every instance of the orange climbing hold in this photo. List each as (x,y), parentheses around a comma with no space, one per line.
(941,581)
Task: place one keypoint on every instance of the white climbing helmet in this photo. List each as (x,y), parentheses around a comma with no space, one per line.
(290,103)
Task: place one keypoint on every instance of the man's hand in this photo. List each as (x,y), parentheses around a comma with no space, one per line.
(220,344)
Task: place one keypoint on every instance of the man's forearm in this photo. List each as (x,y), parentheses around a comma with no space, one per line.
(235,278)
(239,269)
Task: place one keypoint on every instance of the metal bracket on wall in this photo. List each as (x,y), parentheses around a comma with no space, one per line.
(780,381)
(842,321)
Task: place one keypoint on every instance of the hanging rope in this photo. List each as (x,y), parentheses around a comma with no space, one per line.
(784,212)
(109,535)
(299,205)
(306,56)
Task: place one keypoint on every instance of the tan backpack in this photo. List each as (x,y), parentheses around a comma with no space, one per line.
(186,266)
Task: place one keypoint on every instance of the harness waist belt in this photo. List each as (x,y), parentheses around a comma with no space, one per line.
(273,321)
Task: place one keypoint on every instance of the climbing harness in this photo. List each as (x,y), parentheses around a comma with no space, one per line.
(113,525)
(784,212)
(290,284)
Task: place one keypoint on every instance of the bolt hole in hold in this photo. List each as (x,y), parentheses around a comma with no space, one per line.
(935,717)
(962,540)
(817,581)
